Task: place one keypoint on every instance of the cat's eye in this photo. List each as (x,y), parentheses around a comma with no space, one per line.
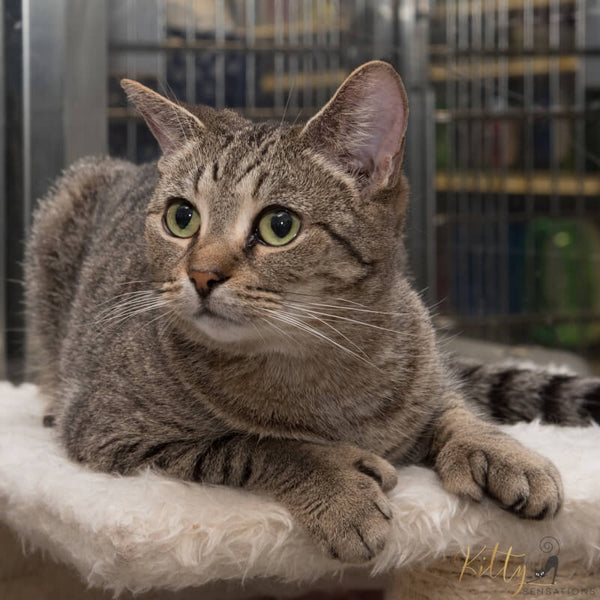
(278,227)
(182,219)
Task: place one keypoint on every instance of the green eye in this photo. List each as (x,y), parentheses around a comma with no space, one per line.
(278,227)
(182,219)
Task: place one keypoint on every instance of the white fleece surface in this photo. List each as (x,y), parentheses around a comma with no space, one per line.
(149,531)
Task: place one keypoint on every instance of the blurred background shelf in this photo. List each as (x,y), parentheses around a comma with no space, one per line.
(538,183)
(502,151)
(475,7)
(500,67)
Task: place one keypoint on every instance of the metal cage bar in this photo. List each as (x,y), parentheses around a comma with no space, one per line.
(54,113)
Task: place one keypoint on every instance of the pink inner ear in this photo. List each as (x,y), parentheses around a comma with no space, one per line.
(379,124)
(160,132)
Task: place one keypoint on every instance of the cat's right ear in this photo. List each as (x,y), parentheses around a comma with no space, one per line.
(362,128)
(171,124)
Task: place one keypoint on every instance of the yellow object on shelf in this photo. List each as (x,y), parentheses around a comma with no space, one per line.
(468,6)
(540,183)
(330,24)
(285,81)
(511,67)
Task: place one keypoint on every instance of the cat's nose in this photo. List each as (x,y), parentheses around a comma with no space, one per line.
(205,281)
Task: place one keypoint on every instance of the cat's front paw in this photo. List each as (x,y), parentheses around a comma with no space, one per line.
(522,481)
(350,514)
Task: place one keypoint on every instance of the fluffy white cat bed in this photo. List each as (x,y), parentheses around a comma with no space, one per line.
(149,531)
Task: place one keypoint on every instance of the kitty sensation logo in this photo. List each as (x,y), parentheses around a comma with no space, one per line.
(510,567)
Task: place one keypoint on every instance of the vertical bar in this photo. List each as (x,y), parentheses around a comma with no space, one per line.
(451,133)
(580,100)
(85,97)
(413,38)
(528,106)
(476,149)
(555,101)
(26,24)
(581,45)
(322,88)
(3,241)
(490,207)
(292,100)
(14,173)
(161,36)
(464,155)
(64,108)
(334,42)
(131,74)
(220,59)
(250,54)
(278,99)
(190,55)
(429,150)
(307,39)
(360,12)
(504,223)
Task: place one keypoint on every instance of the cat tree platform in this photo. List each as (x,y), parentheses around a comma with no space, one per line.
(149,532)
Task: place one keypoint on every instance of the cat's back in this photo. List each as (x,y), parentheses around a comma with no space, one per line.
(70,223)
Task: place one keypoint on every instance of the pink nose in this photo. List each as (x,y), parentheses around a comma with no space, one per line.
(205,280)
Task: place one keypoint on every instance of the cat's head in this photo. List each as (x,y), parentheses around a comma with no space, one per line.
(262,231)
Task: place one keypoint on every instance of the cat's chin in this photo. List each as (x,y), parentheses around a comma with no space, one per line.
(217,332)
(222,330)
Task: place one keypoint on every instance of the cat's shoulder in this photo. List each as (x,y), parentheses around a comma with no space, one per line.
(93,177)
(98,171)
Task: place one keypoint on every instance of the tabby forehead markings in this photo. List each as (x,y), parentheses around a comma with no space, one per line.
(251,166)
(199,172)
(260,179)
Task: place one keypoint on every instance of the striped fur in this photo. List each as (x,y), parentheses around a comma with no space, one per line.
(509,393)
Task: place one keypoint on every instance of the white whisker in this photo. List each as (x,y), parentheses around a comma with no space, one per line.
(128,303)
(168,313)
(348,319)
(340,334)
(130,312)
(366,310)
(285,333)
(298,323)
(130,295)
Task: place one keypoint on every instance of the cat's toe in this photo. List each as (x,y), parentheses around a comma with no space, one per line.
(524,483)
(454,468)
(356,529)
(379,469)
(546,495)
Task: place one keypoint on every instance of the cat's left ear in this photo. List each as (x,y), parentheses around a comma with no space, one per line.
(362,127)
(171,124)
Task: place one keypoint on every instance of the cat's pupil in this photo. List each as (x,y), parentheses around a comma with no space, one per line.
(281,224)
(183,216)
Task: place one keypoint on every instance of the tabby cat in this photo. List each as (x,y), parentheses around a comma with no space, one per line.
(238,314)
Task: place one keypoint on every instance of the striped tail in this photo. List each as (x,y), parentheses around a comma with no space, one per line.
(510,393)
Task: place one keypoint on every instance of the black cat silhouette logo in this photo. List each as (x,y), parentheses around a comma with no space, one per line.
(548,545)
